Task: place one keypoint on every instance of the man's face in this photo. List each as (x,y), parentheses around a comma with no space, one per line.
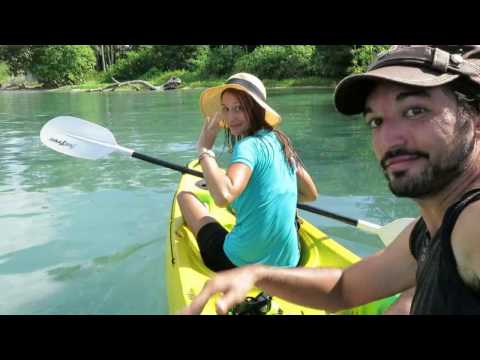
(418,137)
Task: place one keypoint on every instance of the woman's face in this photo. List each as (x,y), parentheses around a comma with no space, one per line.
(235,115)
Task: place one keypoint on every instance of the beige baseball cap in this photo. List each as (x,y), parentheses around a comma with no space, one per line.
(416,65)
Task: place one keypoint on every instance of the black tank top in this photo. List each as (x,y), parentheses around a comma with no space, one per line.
(440,289)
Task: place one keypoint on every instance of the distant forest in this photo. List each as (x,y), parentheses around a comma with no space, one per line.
(55,66)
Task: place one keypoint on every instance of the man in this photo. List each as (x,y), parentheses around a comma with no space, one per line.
(422,104)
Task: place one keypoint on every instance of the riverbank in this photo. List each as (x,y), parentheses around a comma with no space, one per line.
(192,83)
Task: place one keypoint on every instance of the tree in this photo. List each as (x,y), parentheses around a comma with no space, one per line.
(220,60)
(173,57)
(277,61)
(18,57)
(107,55)
(363,55)
(332,61)
(59,65)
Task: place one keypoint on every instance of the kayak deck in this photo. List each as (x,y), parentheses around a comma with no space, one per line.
(186,273)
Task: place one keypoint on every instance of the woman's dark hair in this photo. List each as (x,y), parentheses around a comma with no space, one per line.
(256,115)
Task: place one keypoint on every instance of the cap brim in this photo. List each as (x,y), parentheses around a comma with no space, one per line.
(210,103)
(351,93)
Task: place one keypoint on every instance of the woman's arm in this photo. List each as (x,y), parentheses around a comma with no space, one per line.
(307,191)
(223,186)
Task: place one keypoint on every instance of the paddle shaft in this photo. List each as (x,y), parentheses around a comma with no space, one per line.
(186,170)
(328,214)
(80,133)
(166,164)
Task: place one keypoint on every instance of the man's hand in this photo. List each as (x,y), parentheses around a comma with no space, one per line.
(403,304)
(234,286)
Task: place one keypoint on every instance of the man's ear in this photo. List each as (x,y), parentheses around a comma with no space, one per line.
(477,119)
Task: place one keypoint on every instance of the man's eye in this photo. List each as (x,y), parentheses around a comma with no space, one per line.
(414,112)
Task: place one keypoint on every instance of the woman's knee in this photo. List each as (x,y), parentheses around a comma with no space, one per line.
(183,196)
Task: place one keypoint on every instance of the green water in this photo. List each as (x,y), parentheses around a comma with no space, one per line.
(88,237)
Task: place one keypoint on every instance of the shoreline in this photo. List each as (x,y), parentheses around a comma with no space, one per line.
(77,90)
(189,83)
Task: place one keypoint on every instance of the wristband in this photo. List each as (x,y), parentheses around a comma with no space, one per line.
(206,152)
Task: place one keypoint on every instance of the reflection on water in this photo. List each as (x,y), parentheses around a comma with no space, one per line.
(20,292)
(88,237)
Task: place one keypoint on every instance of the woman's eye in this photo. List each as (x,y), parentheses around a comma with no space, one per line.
(374,123)
(234,109)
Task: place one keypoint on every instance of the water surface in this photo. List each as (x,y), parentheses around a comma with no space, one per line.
(88,237)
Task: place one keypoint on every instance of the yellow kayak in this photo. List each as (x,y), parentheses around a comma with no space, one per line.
(186,274)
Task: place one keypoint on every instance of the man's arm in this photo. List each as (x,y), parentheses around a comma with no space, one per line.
(402,305)
(388,272)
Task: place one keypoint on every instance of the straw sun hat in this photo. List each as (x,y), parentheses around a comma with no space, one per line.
(210,99)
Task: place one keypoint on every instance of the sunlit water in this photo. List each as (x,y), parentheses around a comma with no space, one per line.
(88,237)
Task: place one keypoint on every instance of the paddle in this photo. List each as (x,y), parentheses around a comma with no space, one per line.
(387,233)
(79,138)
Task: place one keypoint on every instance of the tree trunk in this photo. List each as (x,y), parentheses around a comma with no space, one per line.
(118,84)
(109,53)
(114,53)
(103,58)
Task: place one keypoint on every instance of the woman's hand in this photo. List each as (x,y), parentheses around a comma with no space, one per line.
(209,133)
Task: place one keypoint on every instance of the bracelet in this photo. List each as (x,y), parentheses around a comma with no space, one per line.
(206,153)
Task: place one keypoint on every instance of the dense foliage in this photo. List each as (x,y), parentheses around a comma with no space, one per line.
(133,65)
(158,58)
(220,60)
(332,61)
(17,57)
(363,56)
(4,72)
(278,62)
(60,65)
(175,57)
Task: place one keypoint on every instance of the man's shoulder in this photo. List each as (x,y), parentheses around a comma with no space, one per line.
(466,239)
(468,221)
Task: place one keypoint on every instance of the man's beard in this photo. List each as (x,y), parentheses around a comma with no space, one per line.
(435,177)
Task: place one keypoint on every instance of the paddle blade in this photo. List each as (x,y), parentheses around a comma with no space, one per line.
(389,232)
(76,137)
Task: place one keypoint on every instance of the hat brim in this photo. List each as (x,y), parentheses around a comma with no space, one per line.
(211,102)
(351,93)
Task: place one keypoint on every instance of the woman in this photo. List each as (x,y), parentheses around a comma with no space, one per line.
(263,182)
